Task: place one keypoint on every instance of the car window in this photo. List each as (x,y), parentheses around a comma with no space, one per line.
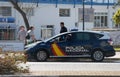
(57,39)
(62,38)
(79,36)
(82,36)
(86,36)
(97,36)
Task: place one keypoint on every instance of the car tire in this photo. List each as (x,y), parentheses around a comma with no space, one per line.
(41,56)
(97,56)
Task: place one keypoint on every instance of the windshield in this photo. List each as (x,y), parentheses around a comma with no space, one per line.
(51,38)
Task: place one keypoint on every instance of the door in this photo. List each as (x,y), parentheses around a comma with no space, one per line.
(80,44)
(72,44)
(47,31)
(58,45)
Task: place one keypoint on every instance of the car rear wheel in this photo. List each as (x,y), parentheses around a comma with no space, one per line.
(97,56)
(41,55)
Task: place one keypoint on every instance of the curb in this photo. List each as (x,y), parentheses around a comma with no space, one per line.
(112,59)
(77,73)
(68,74)
(56,76)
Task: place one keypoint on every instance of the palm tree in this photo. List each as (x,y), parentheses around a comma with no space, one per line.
(116,16)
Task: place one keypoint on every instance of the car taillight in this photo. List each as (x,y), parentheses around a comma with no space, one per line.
(110,41)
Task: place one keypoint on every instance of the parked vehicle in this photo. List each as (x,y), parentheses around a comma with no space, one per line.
(91,44)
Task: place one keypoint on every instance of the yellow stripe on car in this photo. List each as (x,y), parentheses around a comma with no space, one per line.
(57,50)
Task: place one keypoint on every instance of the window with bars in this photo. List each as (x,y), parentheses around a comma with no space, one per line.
(7,34)
(101,20)
(64,12)
(7,31)
(5,11)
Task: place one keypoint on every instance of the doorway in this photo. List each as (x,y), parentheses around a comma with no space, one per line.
(47,31)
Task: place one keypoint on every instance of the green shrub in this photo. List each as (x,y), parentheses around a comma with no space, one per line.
(10,63)
(116,46)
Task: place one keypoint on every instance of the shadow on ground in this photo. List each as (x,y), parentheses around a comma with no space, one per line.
(106,60)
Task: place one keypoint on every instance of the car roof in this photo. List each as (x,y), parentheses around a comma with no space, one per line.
(97,32)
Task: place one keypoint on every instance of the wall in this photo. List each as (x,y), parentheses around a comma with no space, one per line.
(48,14)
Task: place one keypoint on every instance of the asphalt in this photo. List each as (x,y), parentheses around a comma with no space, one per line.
(71,69)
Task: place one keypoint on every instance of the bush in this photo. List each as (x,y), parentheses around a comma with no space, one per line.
(10,63)
(116,46)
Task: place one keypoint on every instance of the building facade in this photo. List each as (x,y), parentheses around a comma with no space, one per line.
(46,16)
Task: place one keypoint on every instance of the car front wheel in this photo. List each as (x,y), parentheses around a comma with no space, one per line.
(41,56)
(97,56)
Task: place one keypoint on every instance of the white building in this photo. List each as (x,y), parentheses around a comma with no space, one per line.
(46,15)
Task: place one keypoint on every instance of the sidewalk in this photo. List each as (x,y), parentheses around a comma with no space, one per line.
(77,69)
(73,69)
(77,73)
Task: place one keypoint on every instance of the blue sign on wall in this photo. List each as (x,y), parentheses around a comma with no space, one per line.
(7,20)
(10,20)
(2,19)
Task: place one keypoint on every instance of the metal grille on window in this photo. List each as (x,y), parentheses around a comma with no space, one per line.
(64,12)
(7,32)
(101,20)
(5,11)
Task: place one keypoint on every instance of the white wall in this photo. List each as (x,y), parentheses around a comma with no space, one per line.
(48,14)
(109,10)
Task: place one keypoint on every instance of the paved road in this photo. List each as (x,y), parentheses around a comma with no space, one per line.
(71,68)
(114,59)
(76,66)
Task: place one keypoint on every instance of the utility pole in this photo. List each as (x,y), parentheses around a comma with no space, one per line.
(83,15)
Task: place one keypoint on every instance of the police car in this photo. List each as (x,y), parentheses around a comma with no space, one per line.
(94,45)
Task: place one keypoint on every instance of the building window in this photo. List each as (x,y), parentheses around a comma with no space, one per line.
(7,34)
(88,14)
(101,20)
(5,11)
(64,12)
(47,31)
(29,11)
(7,31)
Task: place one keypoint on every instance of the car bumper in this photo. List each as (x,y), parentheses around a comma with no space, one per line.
(110,53)
(29,56)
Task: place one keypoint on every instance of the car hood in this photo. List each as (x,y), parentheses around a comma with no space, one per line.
(32,44)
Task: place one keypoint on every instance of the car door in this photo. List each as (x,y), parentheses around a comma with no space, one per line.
(88,41)
(73,47)
(80,44)
(58,46)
